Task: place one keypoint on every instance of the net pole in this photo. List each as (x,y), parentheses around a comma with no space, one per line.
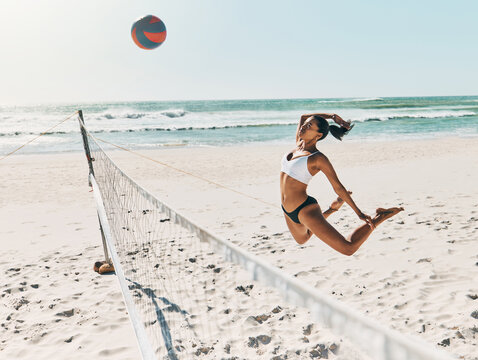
(90,160)
(103,239)
(86,145)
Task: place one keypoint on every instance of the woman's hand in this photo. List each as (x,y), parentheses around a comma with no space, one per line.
(366,218)
(341,122)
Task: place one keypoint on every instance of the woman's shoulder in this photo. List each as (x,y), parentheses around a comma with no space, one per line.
(318,154)
(318,157)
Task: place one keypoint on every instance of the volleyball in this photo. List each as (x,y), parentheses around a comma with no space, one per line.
(148,32)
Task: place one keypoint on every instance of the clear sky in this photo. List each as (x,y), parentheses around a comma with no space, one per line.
(76,51)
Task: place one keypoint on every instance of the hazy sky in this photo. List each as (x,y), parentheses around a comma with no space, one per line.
(76,51)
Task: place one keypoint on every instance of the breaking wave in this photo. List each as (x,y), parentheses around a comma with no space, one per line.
(170,113)
(178,127)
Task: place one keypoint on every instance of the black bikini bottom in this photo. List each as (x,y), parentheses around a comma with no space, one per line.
(294,215)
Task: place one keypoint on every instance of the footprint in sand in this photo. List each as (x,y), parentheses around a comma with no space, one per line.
(443,317)
(302,274)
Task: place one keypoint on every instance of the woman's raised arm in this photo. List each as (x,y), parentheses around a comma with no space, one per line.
(326,167)
(335,117)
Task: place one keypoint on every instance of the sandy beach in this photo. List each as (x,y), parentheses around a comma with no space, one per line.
(417,273)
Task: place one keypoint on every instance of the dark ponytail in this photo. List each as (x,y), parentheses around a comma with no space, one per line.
(337,132)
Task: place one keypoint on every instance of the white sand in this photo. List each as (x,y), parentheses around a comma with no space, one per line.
(417,273)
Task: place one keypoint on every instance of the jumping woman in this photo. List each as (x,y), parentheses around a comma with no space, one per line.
(302,212)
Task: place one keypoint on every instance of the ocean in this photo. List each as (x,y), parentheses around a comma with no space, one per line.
(148,125)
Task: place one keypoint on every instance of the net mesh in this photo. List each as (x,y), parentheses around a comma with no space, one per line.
(193,303)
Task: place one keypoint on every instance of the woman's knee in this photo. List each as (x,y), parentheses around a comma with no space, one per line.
(303,238)
(349,250)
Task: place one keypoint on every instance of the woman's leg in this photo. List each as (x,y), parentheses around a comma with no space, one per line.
(311,217)
(362,233)
(300,233)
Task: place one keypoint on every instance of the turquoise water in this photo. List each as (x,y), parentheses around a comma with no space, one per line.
(232,122)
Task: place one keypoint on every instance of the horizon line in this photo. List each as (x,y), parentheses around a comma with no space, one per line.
(226,99)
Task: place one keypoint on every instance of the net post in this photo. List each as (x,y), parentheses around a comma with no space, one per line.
(86,145)
(103,239)
(90,160)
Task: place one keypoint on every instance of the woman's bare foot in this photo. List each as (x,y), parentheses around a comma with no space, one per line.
(337,204)
(384,214)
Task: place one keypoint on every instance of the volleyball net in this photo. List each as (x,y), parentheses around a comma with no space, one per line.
(192,294)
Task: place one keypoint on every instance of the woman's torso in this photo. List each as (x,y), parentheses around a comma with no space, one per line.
(297,168)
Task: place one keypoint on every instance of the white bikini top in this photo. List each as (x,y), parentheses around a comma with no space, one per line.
(297,168)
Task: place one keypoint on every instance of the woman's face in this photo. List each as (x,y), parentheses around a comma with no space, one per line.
(309,130)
